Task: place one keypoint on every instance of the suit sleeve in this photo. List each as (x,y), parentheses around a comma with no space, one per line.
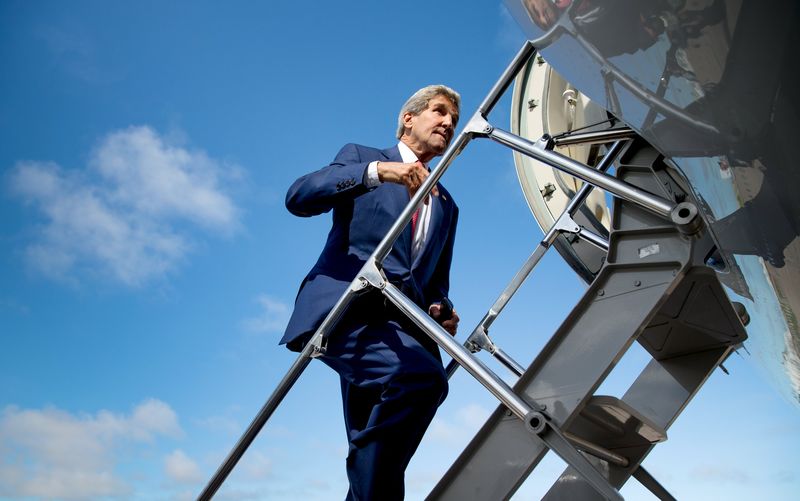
(339,182)
(439,285)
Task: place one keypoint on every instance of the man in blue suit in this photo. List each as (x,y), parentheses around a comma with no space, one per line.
(391,373)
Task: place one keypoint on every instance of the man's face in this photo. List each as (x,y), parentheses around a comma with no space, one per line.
(432,130)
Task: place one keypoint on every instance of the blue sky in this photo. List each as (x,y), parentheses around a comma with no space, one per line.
(149,266)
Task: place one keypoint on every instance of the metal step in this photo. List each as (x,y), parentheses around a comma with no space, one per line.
(655,289)
(613,424)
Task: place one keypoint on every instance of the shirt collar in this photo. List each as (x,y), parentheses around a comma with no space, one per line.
(406,154)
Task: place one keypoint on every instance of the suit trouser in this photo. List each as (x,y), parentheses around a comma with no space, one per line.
(392,383)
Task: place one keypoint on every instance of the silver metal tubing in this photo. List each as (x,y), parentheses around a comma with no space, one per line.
(385,247)
(546,431)
(596,450)
(316,346)
(482,328)
(605,163)
(509,362)
(357,285)
(595,137)
(313,347)
(594,239)
(496,352)
(520,60)
(515,283)
(479,371)
(451,368)
(574,204)
(255,426)
(546,242)
(559,444)
(653,203)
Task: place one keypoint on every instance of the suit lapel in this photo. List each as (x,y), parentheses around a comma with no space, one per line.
(439,207)
(403,243)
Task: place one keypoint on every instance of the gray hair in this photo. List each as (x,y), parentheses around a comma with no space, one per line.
(418,103)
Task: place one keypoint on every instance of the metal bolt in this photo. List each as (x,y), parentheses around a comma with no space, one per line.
(601,292)
(570,97)
(547,192)
(539,60)
(487,129)
(508,413)
(637,283)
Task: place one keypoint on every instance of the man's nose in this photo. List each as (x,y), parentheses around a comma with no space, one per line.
(447,121)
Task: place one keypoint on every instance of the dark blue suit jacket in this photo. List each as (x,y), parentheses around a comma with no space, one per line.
(361,218)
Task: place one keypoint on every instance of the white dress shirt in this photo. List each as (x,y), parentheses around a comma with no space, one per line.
(424,218)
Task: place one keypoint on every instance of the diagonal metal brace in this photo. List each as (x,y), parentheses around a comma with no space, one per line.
(479,340)
(531,413)
(370,276)
(566,224)
(478,126)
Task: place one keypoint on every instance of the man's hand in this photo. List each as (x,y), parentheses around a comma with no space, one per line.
(410,175)
(450,325)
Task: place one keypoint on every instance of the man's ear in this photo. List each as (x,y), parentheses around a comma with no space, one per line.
(408,118)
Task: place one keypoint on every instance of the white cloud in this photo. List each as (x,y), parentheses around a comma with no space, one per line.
(473,415)
(181,468)
(461,428)
(159,179)
(131,211)
(256,466)
(273,317)
(52,453)
(155,417)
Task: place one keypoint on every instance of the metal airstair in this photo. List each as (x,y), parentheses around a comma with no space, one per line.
(654,288)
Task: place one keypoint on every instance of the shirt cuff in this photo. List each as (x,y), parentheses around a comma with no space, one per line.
(372,180)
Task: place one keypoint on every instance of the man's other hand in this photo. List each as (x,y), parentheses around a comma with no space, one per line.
(409,175)
(450,325)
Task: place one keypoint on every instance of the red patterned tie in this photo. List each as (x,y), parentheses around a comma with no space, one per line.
(414,218)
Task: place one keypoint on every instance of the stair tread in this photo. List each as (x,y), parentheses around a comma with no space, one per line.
(610,422)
